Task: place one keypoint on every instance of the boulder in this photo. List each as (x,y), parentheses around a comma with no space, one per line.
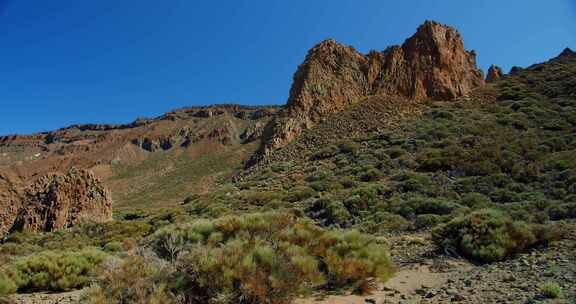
(58,201)
(10,201)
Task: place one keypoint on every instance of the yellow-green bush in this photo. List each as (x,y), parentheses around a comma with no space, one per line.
(489,235)
(551,290)
(267,258)
(56,271)
(136,279)
(7,283)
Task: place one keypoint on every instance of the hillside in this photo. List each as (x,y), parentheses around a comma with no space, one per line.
(399,176)
(150,162)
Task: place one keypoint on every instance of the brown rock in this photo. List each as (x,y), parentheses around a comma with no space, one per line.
(567,53)
(494,73)
(432,64)
(10,201)
(60,201)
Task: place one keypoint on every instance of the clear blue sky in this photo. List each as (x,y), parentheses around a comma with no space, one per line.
(110,61)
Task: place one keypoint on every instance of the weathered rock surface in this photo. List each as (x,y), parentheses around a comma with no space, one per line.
(60,201)
(253,132)
(432,64)
(10,201)
(494,73)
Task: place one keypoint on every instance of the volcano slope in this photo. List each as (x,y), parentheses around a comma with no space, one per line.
(150,163)
(393,198)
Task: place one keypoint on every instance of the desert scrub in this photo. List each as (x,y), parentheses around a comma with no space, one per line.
(135,279)
(489,235)
(56,271)
(299,193)
(7,282)
(329,212)
(551,290)
(267,258)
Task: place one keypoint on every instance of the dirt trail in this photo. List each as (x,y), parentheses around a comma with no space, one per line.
(408,285)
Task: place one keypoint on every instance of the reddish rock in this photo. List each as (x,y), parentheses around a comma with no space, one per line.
(494,73)
(10,201)
(60,201)
(432,64)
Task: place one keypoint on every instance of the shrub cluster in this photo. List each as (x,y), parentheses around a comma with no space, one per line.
(51,271)
(267,258)
(489,235)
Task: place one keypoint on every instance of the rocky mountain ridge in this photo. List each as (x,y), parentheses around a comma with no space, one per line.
(431,65)
(159,146)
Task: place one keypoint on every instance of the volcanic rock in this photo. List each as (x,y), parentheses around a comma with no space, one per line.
(10,201)
(58,201)
(432,64)
(567,53)
(494,73)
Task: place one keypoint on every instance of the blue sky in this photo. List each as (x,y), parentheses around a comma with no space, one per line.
(110,61)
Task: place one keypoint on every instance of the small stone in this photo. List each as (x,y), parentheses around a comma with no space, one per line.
(458,297)
(430,295)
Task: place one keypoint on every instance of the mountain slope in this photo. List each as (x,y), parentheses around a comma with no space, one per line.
(168,157)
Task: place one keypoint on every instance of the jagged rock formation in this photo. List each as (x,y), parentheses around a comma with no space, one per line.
(253,132)
(10,201)
(494,73)
(567,53)
(60,201)
(432,64)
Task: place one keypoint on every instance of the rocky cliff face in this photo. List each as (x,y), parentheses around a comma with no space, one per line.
(60,201)
(494,73)
(432,64)
(10,201)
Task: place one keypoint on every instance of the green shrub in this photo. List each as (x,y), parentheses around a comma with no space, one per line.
(371,175)
(268,258)
(432,206)
(562,211)
(7,283)
(113,247)
(425,221)
(299,193)
(381,222)
(489,235)
(260,198)
(476,200)
(551,290)
(348,182)
(325,185)
(349,147)
(329,212)
(136,279)
(395,152)
(54,271)
(327,152)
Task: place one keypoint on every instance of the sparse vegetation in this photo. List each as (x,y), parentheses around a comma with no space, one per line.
(489,235)
(487,180)
(52,271)
(261,258)
(551,290)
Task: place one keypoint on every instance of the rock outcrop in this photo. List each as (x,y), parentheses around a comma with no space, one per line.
(567,53)
(432,64)
(60,201)
(494,73)
(10,201)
